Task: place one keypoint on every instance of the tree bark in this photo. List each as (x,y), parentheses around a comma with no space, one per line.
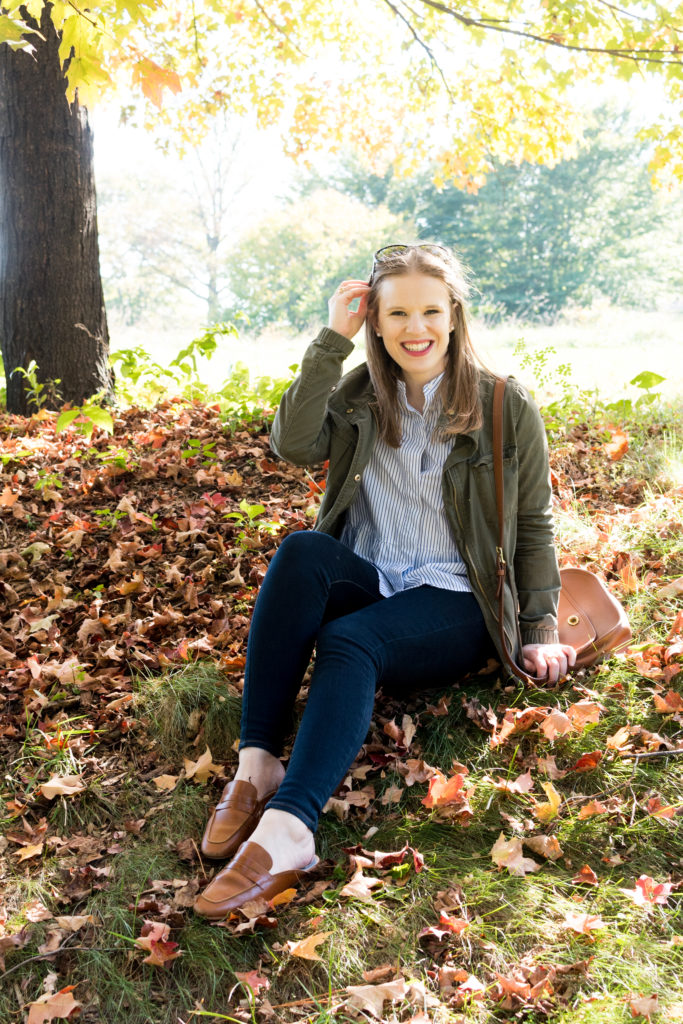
(51,302)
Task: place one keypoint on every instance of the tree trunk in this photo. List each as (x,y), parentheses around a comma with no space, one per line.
(51,301)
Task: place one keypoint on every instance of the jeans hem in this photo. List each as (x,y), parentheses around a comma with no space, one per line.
(281,805)
(269,748)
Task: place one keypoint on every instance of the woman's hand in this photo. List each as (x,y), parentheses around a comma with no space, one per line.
(553,660)
(342,320)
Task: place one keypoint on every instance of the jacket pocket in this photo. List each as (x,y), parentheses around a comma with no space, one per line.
(484,485)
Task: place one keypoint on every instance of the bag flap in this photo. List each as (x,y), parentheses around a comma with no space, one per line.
(574,626)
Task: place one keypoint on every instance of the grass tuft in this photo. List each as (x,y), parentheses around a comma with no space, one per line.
(181,705)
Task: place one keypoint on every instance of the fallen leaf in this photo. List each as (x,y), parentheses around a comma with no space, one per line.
(617,447)
(548,811)
(456,925)
(591,808)
(282,898)
(53,1006)
(507,853)
(672,589)
(254,980)
(29,851)
(507,987)
(62,785)
(657,809)
(165,782)
(587,762)
(385,972)
(74,922)
(444,791)
(34,911)
(669,703)
(415,770)
(583,923)
(546,846)
(620,740)
(307,948)
(522,784)
(7,498)
(647,892)
(556,724)
(392,795)
(371,998)
(360,886)
(584,712)
(161,953)
(550,768)
(585,875)
(643,1006)
(201,769)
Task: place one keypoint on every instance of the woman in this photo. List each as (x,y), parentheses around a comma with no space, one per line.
(396,584)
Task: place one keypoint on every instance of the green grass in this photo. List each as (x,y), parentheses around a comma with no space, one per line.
(182,703)
(514,921)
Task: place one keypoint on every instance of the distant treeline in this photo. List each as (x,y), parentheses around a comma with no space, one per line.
(535,238)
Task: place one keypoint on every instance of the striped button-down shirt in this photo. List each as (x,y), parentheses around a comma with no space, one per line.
(397,520)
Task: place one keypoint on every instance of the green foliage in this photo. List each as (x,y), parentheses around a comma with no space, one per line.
(537,238)
(86,417)
(40,394)
(573,404)
(249,517)
(285,270)
(243,399)
(141,381)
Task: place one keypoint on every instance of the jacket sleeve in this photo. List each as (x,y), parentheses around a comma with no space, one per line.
(301,428)
(537,575)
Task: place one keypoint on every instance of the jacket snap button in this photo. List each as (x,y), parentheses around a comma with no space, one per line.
(333,388)
(357,477)
(349,410)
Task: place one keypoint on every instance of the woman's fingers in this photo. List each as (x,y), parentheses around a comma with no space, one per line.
(553,660)
(342,319)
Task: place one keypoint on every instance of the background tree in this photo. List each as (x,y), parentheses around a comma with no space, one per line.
(366,76)
(51,302)
(539,237)
(285,269)
(168,236)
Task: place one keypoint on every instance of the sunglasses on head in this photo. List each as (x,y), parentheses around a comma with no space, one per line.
(387,252)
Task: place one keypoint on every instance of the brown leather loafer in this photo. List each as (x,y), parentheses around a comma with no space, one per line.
(246,877)
(237,814)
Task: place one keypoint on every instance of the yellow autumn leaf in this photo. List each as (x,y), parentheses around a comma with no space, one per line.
(548,811)
(202,768)
(306,948)
(165,782)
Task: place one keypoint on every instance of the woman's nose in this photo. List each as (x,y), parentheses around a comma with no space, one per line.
(415,322)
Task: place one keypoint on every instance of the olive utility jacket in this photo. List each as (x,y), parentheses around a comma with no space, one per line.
(326,416)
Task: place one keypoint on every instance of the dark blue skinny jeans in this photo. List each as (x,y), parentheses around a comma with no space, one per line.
(317,592)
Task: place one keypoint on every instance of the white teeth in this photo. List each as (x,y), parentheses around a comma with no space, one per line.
(417,346)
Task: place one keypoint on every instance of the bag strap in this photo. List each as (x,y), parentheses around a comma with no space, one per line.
(501,564)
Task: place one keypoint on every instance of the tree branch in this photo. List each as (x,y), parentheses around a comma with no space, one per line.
(278,28)
(632,54)
(423,44)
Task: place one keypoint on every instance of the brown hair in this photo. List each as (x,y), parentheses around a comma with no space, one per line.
(459,389)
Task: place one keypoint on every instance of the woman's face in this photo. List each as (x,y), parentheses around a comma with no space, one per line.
(414,320)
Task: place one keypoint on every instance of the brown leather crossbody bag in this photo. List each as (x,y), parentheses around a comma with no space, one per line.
(590,618)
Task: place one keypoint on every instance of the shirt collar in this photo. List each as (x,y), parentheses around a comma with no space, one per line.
(430,390)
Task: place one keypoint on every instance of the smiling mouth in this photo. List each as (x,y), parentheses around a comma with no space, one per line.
(416,348)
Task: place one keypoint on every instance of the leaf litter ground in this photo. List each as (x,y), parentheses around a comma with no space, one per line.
(492,851)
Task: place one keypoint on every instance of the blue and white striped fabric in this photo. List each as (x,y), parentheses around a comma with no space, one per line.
(397,520)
